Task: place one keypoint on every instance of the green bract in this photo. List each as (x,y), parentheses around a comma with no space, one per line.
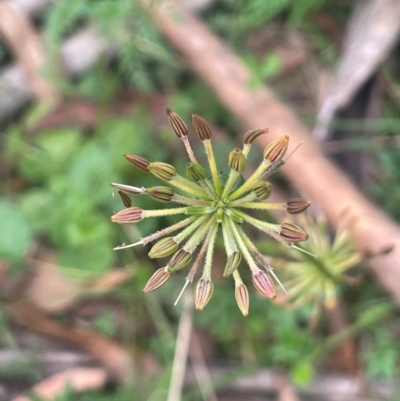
(213,207)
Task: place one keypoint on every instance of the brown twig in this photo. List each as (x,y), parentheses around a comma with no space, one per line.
(227,76)
(27,48)
(110,353)
(80,379)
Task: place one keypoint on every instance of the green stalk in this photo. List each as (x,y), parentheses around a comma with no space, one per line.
(248,198)
(243,248)
(210,252)
(188,230)
(263,206)
(213,166)
(246,149)
(184,200)
(163,212)
(233,175)
(251,180)
(237,278)
(261,225)
(229,240)
(167,230)
(198,236)
(189,150)
(199,258)
(160,233)
(188,186)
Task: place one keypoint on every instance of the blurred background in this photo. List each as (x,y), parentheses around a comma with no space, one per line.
(83,82)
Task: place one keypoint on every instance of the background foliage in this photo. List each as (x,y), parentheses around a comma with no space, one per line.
(55,192)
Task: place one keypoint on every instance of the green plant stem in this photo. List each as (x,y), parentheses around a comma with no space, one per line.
(243,248)
(188,186)
(233,175)
(263,206)
(167,230)
(188,201)
(262,225)
(163,212)
(229,239)
(248,198)
(213,166)
(188,230)
(250,181)
(198,236)
(210,252)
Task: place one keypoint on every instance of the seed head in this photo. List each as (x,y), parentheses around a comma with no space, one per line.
(297,205)
(130,215)
(232,263)
(201,127)
(242,298)
(139,161)
(264,284)
(275,151)
(237,160)
(212,202)
(293,233)
(196,172)
(163,171)
(157,280)
(251,135)
(262,189)
(164,247)
(180,259)
(126,200)
(203,292)
(162,194)
(177,124)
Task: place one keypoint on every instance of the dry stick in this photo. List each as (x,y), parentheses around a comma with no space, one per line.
(181,350)
(27,47)
(201,371)
(228,77)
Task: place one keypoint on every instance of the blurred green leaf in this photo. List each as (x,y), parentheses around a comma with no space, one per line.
(15,233)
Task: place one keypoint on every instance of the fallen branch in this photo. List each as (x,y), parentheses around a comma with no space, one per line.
(80,379)
(314,174)
(28,49)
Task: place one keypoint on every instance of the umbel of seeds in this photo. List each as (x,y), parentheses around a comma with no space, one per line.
(210,207)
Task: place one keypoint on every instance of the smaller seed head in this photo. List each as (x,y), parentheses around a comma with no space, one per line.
(177,124)
(264,284)
(262,189)
(196,172)
(293,233)
(162,194)
(237,160)
(297,205)
(201,127)
(232,263)
(126,200)
(251,135)
(202,293)
(139,161)
(130,215)
(165,247)
(242,298)
(180,259)
(157,280)
(163,171)
(275,150)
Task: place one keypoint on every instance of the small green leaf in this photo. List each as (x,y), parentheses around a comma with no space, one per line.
(15,233)
(302,373)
